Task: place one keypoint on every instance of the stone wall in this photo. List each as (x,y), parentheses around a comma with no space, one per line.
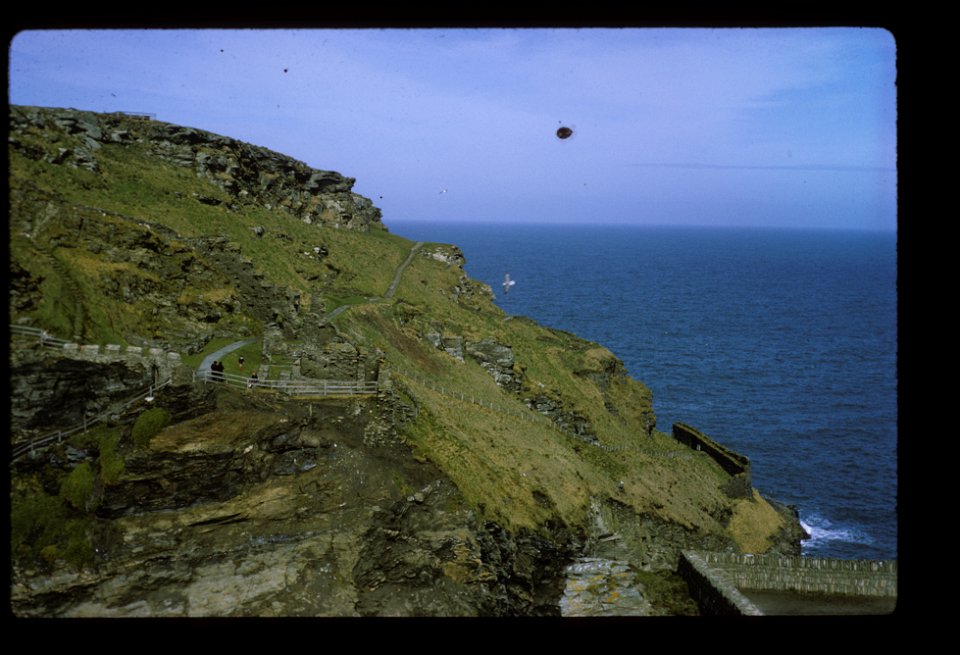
(714,594)
(45,371)
(738,466)
(807,574)
(162,363)
(716,580)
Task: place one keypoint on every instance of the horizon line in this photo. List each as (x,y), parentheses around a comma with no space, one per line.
(756,167)
(585,223)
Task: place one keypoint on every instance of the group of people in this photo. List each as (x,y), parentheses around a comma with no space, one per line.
(216,372)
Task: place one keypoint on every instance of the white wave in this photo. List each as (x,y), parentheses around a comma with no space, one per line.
(822,530)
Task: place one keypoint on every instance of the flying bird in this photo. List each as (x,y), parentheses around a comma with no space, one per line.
(507,283)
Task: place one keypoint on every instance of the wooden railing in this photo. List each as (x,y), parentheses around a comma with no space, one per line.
(293,387)
(59,435)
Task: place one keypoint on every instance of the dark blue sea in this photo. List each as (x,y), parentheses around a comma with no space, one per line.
(779,343)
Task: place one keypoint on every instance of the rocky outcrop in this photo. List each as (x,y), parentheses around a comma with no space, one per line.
(247,174)
(242,511)
(498,359)
(49,391)
(788,541)
(267,302)
(565,419)
(138,265)
(337,360)
(494,357)
(422,560)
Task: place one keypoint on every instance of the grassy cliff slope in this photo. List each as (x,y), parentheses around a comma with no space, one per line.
(130,231)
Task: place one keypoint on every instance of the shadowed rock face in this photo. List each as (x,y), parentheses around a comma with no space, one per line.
(49,392)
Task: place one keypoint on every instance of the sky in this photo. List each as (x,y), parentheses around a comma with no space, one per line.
(784,127)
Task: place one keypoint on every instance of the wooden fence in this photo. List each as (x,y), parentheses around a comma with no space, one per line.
(59,435)
(292,387)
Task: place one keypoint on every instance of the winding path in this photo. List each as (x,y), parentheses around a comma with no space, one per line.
(212,357)
(218,354)
(392,289)
(401,268)
(203,369)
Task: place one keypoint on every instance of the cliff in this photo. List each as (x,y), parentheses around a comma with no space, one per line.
(494,453)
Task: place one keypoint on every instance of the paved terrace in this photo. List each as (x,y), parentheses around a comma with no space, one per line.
(756,585)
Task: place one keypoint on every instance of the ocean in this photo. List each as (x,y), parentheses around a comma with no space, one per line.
(779,343)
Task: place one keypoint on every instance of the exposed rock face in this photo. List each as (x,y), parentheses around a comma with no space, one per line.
(242,512)
(449,255)
(421,561)
(269,303)
(788,541)
(495,357)
(498,360)
(453,346)
(608,373)
(24,290)
(567,420)
(248,174)
(145,265)
(48,391)
(336,361)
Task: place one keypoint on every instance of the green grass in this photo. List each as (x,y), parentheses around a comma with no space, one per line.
(359,265)
(58,309)
(110,461)
(147,188)
(487,452)
(45,528)
(213,345)
(149,424)
(518,472)
(334,301)
(77,488)
(251,354)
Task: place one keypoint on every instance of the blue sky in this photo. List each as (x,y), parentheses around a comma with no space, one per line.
(779,127)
